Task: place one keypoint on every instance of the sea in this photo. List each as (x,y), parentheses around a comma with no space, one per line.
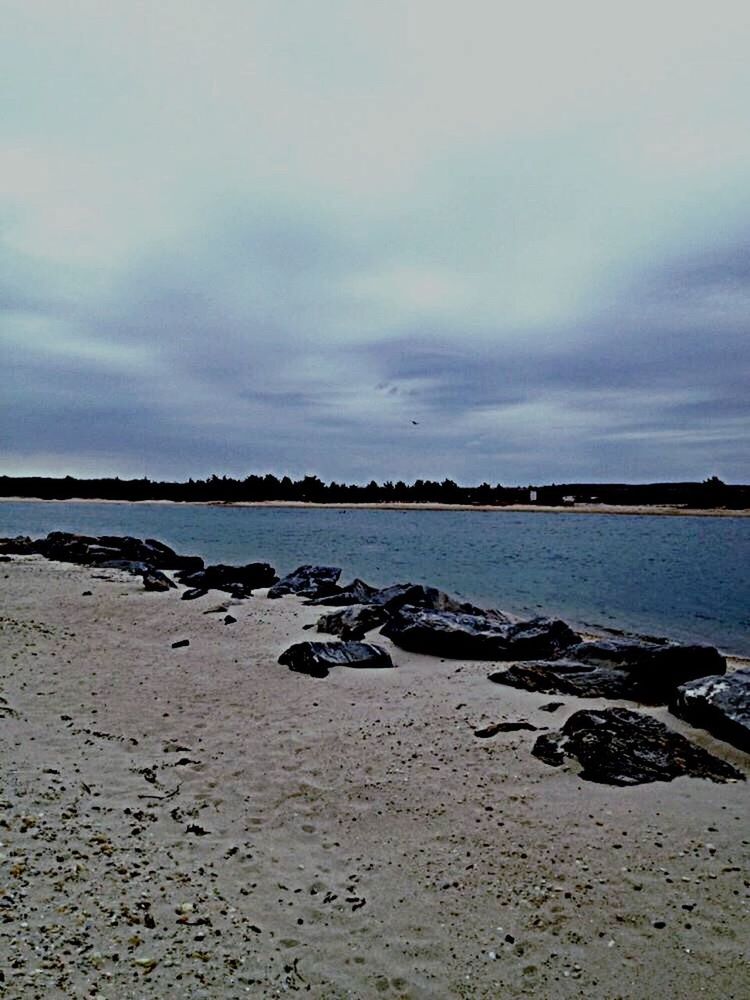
(684,578)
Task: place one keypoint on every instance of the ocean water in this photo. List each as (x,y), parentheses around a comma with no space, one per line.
(687,578)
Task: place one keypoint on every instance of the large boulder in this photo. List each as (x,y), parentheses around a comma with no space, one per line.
(719,704)
(476,637)
(239,581)
(308,581)
(352,622)
(618,747)
(317,658)
(640,671)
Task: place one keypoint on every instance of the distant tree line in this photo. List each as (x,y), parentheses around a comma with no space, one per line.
(711,492)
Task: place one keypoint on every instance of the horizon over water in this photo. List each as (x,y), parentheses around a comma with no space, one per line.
(680,577)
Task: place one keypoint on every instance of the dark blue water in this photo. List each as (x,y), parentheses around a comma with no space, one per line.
(684,577)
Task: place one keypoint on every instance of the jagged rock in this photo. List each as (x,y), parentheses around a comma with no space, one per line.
(618,747)
(640,671)
(356,592)
(317,658)
(239,581)
(352,622)
(476,637)
(308,581)
(719,704)
(154,579)
(193,593)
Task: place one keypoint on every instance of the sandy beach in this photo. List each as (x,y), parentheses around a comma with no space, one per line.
(517,508)
(200,822)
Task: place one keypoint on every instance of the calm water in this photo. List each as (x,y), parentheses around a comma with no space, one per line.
(685,577)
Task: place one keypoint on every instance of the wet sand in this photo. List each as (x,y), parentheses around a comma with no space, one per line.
(201,822)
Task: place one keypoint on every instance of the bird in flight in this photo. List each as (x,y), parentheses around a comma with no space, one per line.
(416,423)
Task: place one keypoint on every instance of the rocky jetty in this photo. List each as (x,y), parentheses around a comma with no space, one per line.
(102,550)
(637,670)
(486,636)
(317,658)
(616,746)
(719,704)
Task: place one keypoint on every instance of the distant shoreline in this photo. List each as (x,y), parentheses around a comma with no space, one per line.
(578,508)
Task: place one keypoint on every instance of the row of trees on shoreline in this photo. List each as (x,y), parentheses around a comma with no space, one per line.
(710,493)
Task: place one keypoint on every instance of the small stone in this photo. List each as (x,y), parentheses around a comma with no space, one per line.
(180,643)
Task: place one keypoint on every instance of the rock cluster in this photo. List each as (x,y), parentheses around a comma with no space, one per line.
(616,746)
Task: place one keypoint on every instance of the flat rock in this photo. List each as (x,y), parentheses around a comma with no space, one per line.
(462,635)
(635,670)
(352,622)
(317,658)
(719,704)
(504,727)
(193,593)
(308,581)
(616,746)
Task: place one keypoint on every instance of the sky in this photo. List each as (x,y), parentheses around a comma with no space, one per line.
(489,241)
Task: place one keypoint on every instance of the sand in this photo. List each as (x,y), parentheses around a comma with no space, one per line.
(643,510)
(201,822)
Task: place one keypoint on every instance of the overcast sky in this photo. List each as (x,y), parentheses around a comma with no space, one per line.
(376,238)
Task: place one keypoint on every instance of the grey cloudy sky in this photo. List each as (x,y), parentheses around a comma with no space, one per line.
(249,236)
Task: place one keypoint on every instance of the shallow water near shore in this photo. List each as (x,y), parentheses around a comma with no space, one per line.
(685,577)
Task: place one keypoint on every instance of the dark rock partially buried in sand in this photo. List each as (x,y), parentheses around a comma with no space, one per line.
(639,671)
(616,746)
(308,581)
(21,545)
(476,637)
(317,658)
(154,579)
(352,622)
(719,704)
(240,581)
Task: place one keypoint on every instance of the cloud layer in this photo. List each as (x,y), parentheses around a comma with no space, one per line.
(375,240)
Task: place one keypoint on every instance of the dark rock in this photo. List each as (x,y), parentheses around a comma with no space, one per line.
(416,595)
(356,592)
(21,545)
(65,546)
(317,658)
(476,637)
(352,622)
(180,643)
(551,706)
(504,727)
(193,593)
(616,746)
(239,581)
(719,704)
(308,581)
(154,579)
(229,619)
(5,559)
(86,593)
(639,671)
